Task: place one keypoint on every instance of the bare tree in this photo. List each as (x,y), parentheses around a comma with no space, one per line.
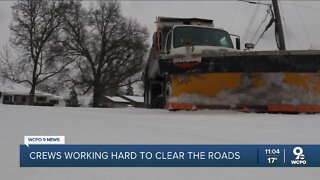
(129,90)
(108,47)
(36,23)
(6,66)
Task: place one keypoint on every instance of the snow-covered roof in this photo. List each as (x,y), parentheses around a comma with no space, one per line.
(56,97)
(8,87)
(14,88)
(117,99)
(138,99)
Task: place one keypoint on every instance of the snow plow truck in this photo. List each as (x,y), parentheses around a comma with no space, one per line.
(193,65)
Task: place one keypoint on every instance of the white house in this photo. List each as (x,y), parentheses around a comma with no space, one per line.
(114,102)
(13,93)
(135,101)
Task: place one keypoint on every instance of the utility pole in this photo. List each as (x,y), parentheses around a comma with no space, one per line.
(278,26)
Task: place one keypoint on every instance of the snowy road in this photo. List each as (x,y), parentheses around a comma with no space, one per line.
(143,126)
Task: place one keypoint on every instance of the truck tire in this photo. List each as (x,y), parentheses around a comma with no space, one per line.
(153,95)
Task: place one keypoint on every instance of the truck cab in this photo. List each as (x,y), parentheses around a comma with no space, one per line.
(185,41)
(199,38)
(174,34)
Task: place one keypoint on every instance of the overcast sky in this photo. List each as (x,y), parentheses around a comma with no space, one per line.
(301,19)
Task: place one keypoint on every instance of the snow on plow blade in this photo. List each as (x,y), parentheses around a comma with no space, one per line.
(285,82)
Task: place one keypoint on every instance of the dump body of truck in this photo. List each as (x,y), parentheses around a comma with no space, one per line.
(193,65)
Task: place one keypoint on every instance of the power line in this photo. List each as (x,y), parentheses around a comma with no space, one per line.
(306,7)
(254,2)
(269,11)
(252,20)
(272,20)
(303,24)
(311,8)
(287,29)
(284,21)
(285,26)
(264,20)
(233,17)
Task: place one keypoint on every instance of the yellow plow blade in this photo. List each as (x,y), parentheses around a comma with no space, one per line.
(252,89)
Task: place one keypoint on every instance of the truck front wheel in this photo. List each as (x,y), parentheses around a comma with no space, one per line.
(153,95)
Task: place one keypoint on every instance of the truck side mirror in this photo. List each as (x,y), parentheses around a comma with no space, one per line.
(238,46)
(168,42)
(249,46)
(238,43)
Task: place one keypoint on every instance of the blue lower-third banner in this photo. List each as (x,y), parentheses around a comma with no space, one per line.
(170,156)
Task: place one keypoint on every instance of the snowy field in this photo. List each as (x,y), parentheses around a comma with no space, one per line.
(143,126)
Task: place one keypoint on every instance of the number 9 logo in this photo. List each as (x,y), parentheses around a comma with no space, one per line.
(298,151)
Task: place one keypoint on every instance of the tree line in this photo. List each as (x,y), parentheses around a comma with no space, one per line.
(61,43)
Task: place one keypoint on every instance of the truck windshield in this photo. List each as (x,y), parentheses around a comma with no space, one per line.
(201,36)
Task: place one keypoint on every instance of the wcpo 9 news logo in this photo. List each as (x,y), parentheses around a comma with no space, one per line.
(300,157)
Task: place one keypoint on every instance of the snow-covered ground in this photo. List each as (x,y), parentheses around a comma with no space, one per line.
(144,126)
